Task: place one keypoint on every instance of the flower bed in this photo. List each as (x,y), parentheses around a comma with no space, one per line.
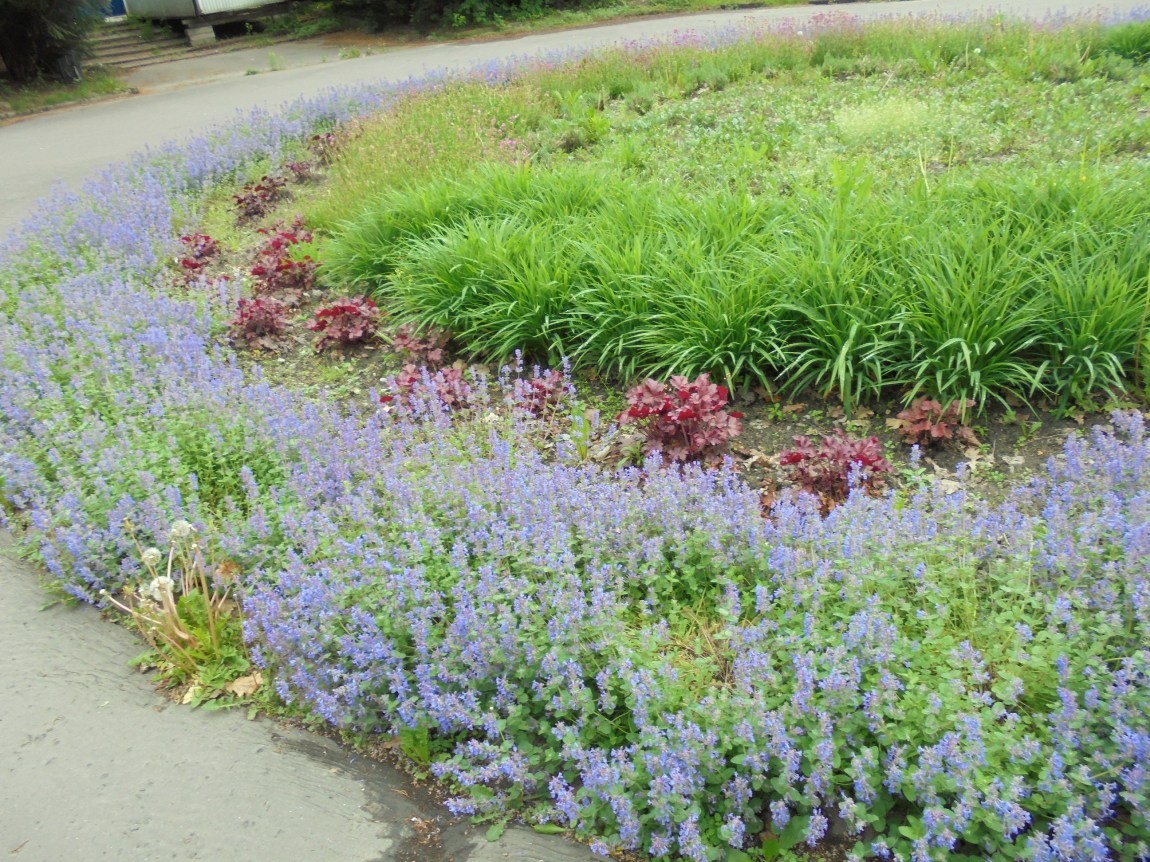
(638,655)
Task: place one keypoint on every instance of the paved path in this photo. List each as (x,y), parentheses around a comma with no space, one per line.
(93,763)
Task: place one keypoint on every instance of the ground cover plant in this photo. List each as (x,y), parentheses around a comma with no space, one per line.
(638,655)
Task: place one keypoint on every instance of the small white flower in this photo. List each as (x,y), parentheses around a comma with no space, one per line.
(181,530)
(151,557)
(159,588)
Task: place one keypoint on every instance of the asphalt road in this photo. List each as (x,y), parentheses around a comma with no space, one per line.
(93,763)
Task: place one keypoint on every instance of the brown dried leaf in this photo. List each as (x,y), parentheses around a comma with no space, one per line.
(798,409)
(245,686)
(227,571)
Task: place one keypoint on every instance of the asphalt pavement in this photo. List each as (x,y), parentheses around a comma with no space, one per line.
(94,764)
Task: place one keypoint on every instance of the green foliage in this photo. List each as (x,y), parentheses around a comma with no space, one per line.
(448,13)
(189,617)
(40,94)
(1131,41)
(902,226)
(37,35)
(217,455)
(977,290)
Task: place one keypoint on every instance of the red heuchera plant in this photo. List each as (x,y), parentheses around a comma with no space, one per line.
(448,386)
(926,423)
(542,394)
(427,348)
(201,248)
(260,320)
(345,321)
(325,146)
(257,199)
(827,470)
(275,269)
(684,420)
(300,171)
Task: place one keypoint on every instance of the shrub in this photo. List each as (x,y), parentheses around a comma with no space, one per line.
(542,394)
(428,348)
(926,423)
(417,389)
(43,37)
(257,199)
(427,13)
(276,270)
(345,322)
(301,171)
(683,421)
(839,462)
(258,321)
(201,248)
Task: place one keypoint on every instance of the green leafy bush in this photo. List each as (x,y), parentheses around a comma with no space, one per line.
(37,36)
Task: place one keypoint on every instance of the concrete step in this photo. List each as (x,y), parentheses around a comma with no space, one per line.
(123,46)
(105,52)
(118,48)
(145,58)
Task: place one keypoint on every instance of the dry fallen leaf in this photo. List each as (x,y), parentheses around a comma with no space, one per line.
(246,686)
(191,694)
(797,409)
(1013,461)
(939,470)
(973,454)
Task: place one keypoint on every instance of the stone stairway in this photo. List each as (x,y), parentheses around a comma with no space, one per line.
(128,46)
